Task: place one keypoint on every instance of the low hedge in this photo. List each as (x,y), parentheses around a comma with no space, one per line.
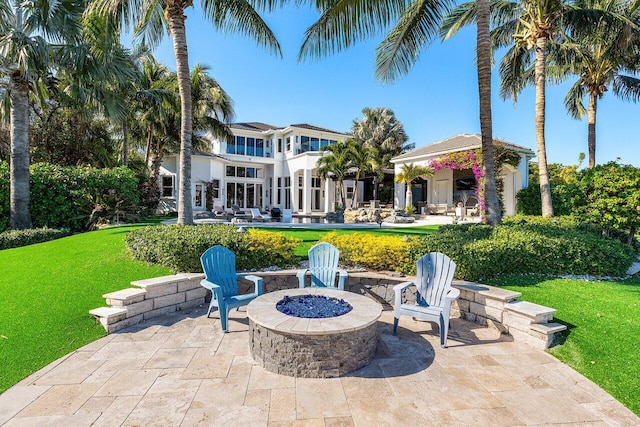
(482,252)
(17,238)
(179,247)
(367,250)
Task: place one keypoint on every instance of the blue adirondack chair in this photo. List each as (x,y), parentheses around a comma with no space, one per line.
(323,267)
(434,293)
(219,266)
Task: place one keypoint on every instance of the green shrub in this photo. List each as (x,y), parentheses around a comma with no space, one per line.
(564,197)
(17,238)
(179,247)
(367,250)
(73,197)
(483,252)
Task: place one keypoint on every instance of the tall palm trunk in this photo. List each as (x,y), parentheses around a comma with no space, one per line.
(492,212)
(408,197)
(545,188)
(20,216)
(147,152)
(175,18)
(591,137)
(125,142)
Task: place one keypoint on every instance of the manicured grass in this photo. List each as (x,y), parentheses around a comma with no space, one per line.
(47,291)
(603,320)
(310,236)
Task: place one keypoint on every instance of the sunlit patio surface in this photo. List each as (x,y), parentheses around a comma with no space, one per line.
(181,370)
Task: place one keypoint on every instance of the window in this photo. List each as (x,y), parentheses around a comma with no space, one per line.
(251,173)
(279,145)
(251,147)
(231,171)
(304,144)
(323,143)
(167,186)
(279,192)
(241,171)
(300,181)
(260,147)
(215,188)
(240,145)
(349,192)
(198,195)
(288,143)
(315,144)
(231,146)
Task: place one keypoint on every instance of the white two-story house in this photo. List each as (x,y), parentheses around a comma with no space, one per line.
(264,166)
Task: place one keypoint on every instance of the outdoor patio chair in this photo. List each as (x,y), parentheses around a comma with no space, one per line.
(287,215)
(323,267)
(434,293)
(256,215)
(219,266)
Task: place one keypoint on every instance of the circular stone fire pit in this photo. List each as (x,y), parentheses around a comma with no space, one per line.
(313,347)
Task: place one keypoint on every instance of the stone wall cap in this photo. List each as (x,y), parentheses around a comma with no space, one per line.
(125,294)
(158,281)
(548,328)
(487,291)
(529,309)
(107,311)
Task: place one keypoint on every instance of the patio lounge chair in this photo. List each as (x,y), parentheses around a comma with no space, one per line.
(323,267)
(434,293)
(287,215)
(256,215)
(219,266)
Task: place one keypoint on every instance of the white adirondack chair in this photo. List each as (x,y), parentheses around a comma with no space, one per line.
(287,215)
(434,293)
(323,267)
(219,266)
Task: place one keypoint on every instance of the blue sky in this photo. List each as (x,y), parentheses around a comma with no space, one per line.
(436,100)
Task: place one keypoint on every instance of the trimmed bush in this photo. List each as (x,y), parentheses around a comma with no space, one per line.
(366,250)
(483,252)
(73,197)
(17,238)
(179,247)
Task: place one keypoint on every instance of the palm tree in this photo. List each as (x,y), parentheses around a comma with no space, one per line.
(359,159)
(335,163)
(212,111)
(384,137)
(409,173)
(27,31)
(155,17)
(416,25)
(600,57)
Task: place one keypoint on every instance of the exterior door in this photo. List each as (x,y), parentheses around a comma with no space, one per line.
(442,188)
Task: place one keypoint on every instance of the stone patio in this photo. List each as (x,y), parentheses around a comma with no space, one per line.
(182,370)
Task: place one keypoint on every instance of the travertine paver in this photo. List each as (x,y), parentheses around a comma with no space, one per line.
(181,370)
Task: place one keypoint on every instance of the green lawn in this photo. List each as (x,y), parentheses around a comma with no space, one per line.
(47,290)
(603,320)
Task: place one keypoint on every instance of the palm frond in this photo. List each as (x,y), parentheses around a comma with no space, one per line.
(418,26)
(513,71)
(343,23)
(239,16)
(573,100)
(461,16)
(626,87)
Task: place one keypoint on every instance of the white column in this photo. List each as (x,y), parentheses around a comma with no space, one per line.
(306,191)
(329,196)
(294,191)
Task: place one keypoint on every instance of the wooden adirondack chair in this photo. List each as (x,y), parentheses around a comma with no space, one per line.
(219,266)
(323,267)
(434,293)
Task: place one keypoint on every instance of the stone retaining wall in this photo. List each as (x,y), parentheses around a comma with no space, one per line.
(483,304)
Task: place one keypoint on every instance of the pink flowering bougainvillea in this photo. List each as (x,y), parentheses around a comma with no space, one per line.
(470,159)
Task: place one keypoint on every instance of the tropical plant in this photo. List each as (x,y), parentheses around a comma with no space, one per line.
(27,31)
(384,137)
(602,57)
(335,164)
(360,162)
(152,19)
(408,173)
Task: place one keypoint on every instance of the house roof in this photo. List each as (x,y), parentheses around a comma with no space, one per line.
(316,128)
(265,127)
(453,144)
(254,126)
